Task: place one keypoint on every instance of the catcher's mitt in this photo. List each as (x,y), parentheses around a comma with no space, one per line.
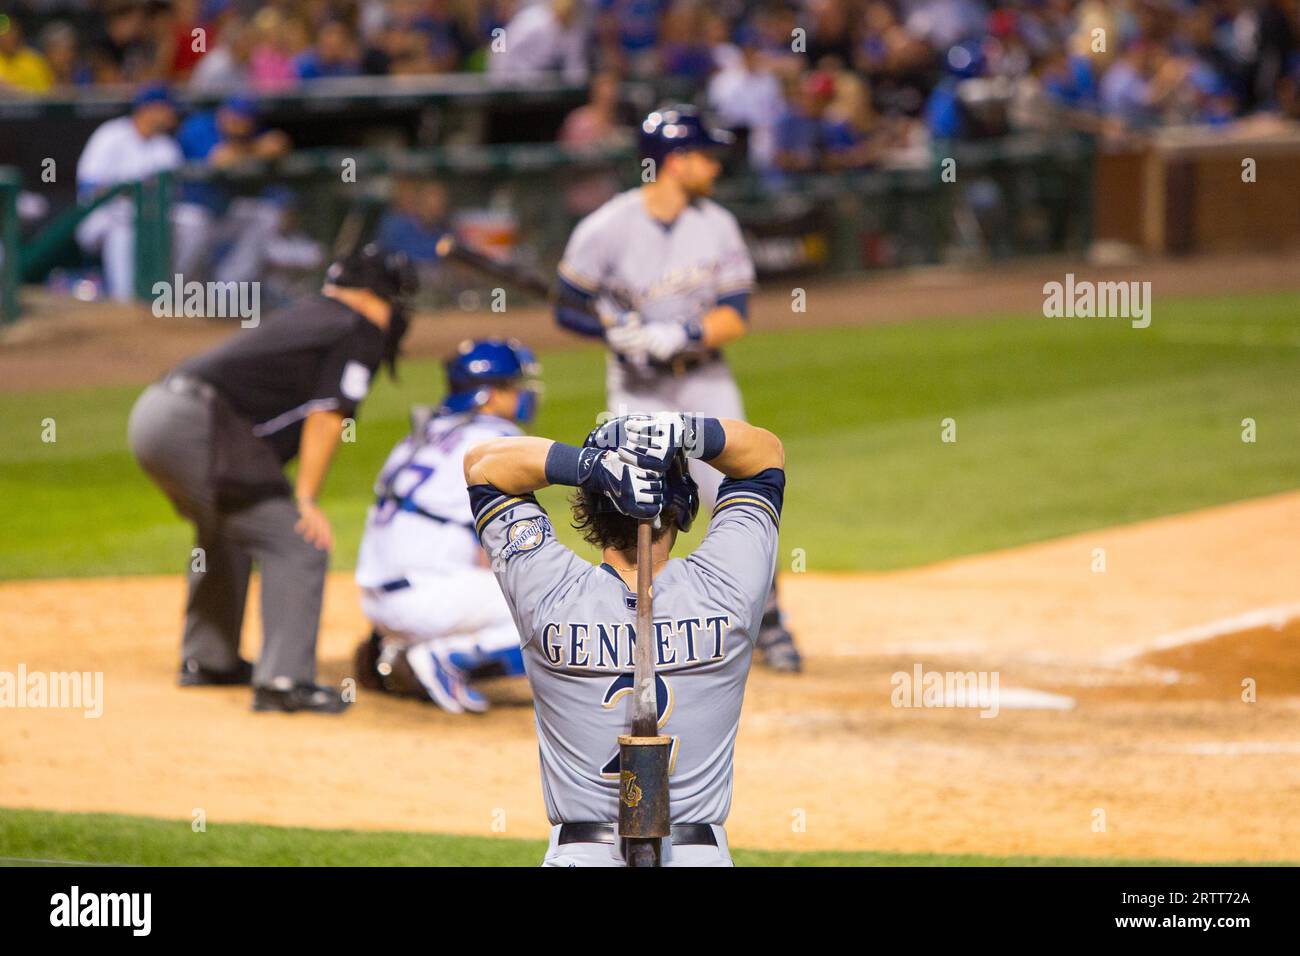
(385,668)
(365,662)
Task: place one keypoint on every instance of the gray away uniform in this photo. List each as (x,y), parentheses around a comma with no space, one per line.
(668,273)
(577,626)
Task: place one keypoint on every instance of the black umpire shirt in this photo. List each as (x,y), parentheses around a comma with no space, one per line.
(315,355)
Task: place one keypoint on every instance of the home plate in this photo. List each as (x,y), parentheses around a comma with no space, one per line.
(1023,698)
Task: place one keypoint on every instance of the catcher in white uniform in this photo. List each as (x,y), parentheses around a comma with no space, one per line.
(439,617)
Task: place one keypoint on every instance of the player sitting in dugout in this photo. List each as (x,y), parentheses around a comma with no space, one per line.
(439,618)
(577,620)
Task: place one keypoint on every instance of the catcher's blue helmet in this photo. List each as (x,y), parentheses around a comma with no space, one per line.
(679,128)
(680,490)
(481,363)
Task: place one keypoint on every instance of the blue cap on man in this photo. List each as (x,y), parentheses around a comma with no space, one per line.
(151,93)
(244,106)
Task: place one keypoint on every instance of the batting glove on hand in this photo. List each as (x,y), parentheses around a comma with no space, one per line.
(624,332)
(663,340)
(635,492)
(651,441)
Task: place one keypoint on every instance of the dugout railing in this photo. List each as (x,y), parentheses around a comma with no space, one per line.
(1016,196)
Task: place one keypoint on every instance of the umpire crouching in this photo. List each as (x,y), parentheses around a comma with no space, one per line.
(215,435)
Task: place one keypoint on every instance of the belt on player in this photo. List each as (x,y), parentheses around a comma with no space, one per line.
(397,584)
(683,834)
(676,367)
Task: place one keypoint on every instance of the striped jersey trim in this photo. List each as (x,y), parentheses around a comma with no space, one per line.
(576,278)
(495,509)
(728,290)
(762,503)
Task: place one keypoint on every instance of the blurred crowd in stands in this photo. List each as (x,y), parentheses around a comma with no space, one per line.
(817,84)
(811,85)
(849,63)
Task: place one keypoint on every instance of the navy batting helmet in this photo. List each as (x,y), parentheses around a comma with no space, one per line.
(680,491)
(481,363)
(679,128)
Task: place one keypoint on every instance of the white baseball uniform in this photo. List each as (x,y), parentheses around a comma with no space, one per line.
(117,153)
(420,531)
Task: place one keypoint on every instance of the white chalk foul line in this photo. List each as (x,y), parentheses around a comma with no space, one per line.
(36,861)
(1274,617)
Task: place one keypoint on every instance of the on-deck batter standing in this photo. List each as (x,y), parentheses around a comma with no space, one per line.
(577,621)
(667,270)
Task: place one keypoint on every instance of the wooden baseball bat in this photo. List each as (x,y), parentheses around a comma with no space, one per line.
(645,714)
(521,277)
(643,809)
(449,247)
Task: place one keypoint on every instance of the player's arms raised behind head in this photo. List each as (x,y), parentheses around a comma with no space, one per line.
(515,465)
(748,450)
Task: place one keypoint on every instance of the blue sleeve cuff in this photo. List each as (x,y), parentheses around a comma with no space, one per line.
(569,464)
(573,311)
(738,301)
(769,485)
(712,437)
(562,464)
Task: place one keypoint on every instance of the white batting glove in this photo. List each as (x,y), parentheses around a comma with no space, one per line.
(651,441)
(627,340)
(624,333)
(663,340)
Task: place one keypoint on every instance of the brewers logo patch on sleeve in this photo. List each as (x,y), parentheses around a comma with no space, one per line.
(526,534)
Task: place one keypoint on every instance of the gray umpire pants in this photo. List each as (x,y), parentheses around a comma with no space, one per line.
(170,433)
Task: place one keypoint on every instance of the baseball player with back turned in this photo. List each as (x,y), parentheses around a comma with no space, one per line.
(577,621)
(666,270)
(438,614)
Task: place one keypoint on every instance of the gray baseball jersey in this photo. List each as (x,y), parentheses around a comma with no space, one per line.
(577,626)
(668,273)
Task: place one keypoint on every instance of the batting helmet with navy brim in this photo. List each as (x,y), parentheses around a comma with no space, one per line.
(681,493)
(679,128)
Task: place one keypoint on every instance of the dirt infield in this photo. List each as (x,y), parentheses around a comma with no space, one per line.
(1120,702)
(63,343)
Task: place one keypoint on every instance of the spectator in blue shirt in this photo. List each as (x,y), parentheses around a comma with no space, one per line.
(416,222)
(212,232)
(334,54)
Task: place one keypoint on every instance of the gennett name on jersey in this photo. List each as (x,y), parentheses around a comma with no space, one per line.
(611,646)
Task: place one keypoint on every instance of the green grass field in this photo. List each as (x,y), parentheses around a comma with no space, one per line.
(31,835)
(1062,426)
